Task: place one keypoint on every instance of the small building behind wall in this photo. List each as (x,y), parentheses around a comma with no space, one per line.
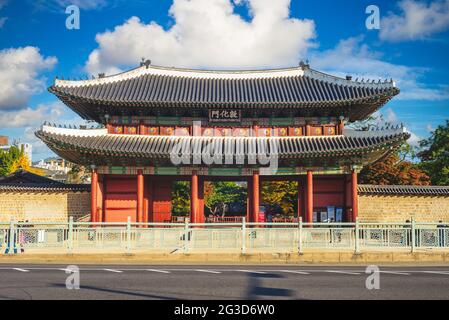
(25,196)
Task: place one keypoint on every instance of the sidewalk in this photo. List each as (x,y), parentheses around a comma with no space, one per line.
(231,258)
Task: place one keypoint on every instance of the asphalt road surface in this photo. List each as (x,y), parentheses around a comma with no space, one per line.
(222,282)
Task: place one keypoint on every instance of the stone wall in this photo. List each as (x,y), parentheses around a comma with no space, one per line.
(399,208)
(44,206)
(58,206)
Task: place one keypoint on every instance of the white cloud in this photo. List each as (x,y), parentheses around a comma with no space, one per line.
(351,56)
(20,75)
(27,121)
(51,112)
(418,20)
(208,33)
(31,117)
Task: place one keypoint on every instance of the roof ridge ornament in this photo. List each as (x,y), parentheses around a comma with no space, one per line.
(304,65)
(145,62)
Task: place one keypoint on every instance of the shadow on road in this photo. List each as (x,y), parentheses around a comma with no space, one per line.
(115,291)
(256,290)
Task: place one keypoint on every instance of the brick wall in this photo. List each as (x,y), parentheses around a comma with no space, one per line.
(44,207)
(397,208)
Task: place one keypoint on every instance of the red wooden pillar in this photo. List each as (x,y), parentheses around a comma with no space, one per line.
(201,217)
(300,198)
(194,198)
(94,194)
(255,198)
(354,192)
(249,199)
(309,208)
(140,196)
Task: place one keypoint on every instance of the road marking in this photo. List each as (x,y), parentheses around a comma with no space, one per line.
(157,270)
(395,272)
(67,270)
(294,271)
(342,272)
(437,272)
(207,271)
(251,271)
(21,270)
(112,270)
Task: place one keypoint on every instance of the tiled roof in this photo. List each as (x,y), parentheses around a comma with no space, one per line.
(83,145)
(153,87)
(404,190)
(27,181)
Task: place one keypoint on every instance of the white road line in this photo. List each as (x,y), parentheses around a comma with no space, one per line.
(157,270)
(395,272)
(112,270)
(207,271)
(437,272)
(251,271)
(342,272)
(294,271)
(21,270)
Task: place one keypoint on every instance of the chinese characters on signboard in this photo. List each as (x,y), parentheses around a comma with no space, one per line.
(224,115)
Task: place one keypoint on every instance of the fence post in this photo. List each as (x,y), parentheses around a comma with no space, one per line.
(128,235)
(300,235)
(186,235)
(413,235)
(357,236)
(70,236)
(243,235)
(11,245)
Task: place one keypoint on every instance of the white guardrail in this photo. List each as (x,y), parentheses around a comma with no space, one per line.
(86,237)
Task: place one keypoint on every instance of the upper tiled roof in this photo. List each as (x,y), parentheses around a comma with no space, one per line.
(146,88)
(404,190)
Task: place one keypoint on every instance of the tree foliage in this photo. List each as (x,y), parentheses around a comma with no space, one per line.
(283,194)
(14,159)
(435,155)
(393,171)
(181,198)
(219,197)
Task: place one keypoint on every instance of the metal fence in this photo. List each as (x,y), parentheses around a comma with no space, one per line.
(238,237)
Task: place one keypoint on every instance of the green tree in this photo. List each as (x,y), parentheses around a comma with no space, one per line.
(219,196)
(435,155)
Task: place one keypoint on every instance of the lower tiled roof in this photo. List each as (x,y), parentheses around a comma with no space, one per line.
(404,190)
(33,187)
(90,148)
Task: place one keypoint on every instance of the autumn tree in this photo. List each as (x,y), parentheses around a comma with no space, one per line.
(281,193)
(181,198)
(15,159)
(395,169)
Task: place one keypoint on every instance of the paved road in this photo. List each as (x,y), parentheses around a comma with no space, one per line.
(222,282)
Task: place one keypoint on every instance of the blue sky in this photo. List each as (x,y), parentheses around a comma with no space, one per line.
(411,47)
